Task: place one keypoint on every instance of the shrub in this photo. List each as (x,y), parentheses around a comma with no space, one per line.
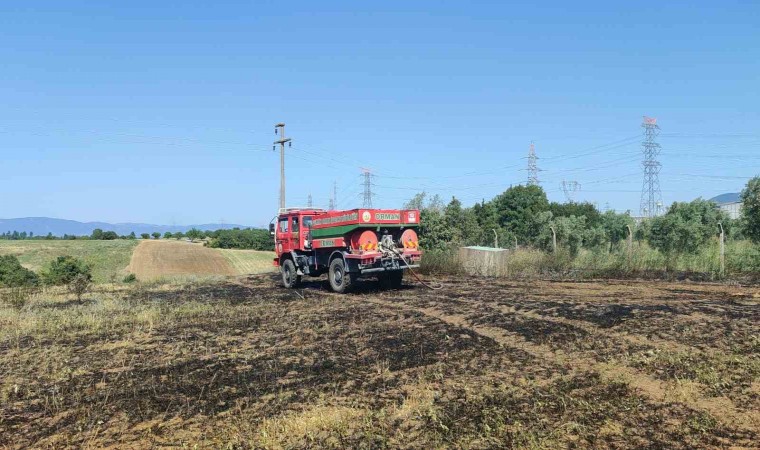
(79,285)
(64,269)
(144,235)
(131,278)
(13,274)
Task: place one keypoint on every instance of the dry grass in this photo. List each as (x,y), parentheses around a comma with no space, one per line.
(246,262)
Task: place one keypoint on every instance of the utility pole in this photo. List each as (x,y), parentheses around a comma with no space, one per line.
(367,188)
(309,202)
(570,188)
(533,166)
(722,250)
(281,141)
(651,196)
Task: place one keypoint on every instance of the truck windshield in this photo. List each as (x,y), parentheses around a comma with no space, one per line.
(307,222)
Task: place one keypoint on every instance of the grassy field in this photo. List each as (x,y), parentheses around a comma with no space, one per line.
(108,259)
(481,363)
(249,261)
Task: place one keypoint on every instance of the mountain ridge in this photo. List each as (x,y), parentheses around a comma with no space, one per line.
(41,226)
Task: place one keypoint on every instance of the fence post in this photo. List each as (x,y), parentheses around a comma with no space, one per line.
(495,239)
(630,241)
(722,251)
(554,239)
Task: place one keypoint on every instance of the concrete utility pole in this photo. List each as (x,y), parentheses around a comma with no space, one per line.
(281,141)
(722,250)
(554,239)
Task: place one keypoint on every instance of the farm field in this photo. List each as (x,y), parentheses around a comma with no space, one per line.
(481,363)
(108,259)
(153,260)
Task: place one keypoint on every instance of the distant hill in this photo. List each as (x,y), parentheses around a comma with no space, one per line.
(729,197)
(43,225)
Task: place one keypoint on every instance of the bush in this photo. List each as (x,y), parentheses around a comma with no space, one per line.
(79,285)
(131,278)
(13,274)
(64,269)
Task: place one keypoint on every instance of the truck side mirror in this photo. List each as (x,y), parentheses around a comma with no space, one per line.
(271,229)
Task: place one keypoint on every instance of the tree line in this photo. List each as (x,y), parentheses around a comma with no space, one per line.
(522,216)
(248,238)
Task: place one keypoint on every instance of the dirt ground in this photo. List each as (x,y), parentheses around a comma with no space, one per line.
(480,363)
(162,258)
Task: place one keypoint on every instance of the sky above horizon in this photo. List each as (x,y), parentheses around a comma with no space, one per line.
(164,112)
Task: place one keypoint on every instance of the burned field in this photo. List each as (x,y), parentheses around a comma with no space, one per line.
(481,363)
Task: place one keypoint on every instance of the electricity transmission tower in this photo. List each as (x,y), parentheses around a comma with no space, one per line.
(570,188)
(533,166)
(367,188)
(651,196)
(309,203)
(281,141)
(334,199)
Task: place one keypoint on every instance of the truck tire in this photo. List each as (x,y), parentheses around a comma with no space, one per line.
(391,279)
(340,279)
(290,277)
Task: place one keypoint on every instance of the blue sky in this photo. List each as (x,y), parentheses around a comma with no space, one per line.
(163,112)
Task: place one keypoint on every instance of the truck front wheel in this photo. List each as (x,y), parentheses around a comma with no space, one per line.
(290,277)
(340,279)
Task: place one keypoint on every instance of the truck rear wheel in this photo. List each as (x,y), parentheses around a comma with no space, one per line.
(340,278)
(290,277)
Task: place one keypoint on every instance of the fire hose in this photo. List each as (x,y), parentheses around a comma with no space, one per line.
(389,249)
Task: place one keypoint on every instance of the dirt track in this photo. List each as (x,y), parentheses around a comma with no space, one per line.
(156,259)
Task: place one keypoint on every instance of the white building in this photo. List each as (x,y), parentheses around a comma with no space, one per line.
(730,203)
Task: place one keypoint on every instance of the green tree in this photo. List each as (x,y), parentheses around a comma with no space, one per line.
(517,210)
(168,235)
(686,226)
(585,209)
(97,234)
(751,210)
(13,274)
(64,269)
(616,225)
(156,235)
(109,236)
(144,236)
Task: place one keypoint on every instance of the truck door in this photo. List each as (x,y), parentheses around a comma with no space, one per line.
(282,236)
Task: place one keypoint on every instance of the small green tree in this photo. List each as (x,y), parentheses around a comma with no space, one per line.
(79,285)
(168,235)
(64,269)
(616,225)
(751,210)
(144,235)
(97,234)
(156,235)
(13,274)
(686,226)
(518,209)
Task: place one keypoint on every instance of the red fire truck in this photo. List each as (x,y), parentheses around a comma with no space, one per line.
(346,245)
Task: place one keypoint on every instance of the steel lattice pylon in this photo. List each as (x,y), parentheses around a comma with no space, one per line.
(533,166)
(651,196)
